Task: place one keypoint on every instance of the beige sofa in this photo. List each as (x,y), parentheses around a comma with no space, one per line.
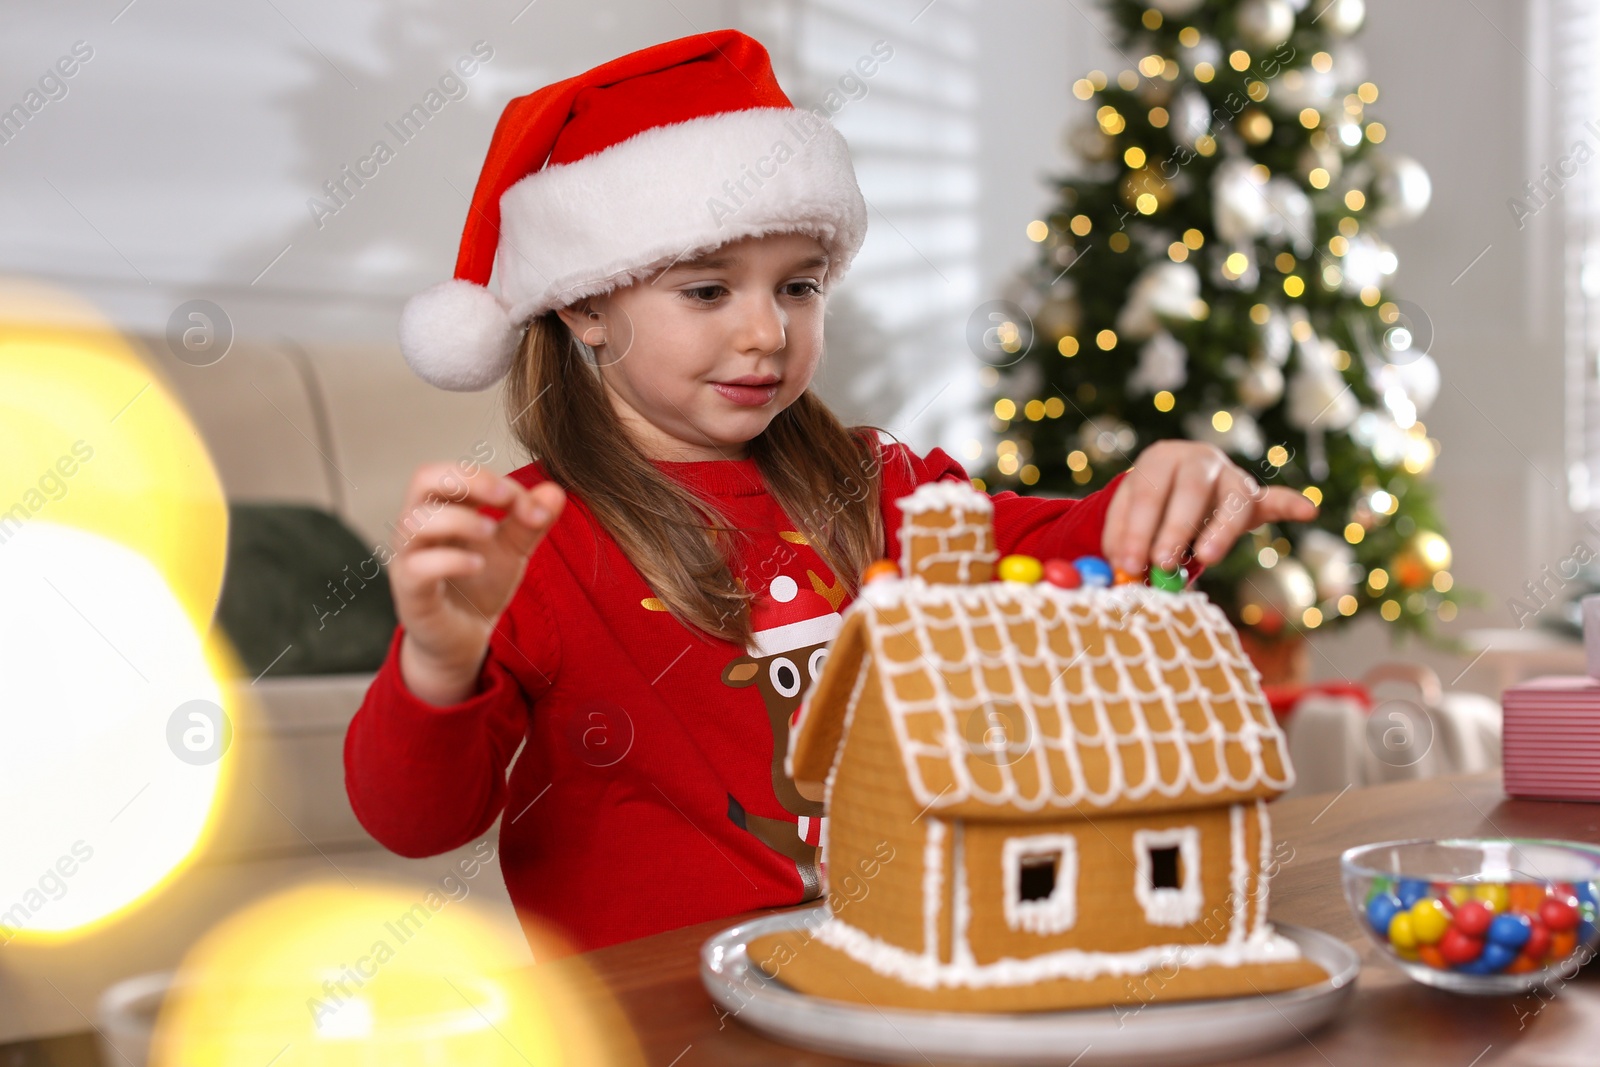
(342,428)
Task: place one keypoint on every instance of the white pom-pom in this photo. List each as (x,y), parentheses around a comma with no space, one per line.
(458,336)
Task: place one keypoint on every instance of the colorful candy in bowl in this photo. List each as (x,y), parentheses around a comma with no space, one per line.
(1478,915)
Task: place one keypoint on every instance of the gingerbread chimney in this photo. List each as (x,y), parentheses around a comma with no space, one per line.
(947,534)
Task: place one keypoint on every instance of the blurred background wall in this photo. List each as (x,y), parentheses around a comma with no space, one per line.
(187,154)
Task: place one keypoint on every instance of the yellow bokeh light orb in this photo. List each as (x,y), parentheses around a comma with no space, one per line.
(116,731)
(337,973)
(113,539)
(77,398)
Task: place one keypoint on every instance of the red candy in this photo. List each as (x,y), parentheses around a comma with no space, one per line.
(1062,574)
(1473,919)
(1457,947)
(1558,914)
(1538,939)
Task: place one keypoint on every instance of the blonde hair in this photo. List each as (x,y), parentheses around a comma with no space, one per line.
(824,476)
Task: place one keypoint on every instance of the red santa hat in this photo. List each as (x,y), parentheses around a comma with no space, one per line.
(602,179)
(789,618)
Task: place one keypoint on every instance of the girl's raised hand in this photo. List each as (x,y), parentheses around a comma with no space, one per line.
(1186,499)
(455,570)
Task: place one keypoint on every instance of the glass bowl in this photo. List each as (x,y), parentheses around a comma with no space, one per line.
(1477,915)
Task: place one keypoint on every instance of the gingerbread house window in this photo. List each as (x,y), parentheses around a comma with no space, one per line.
(1167,875)
(1041,882)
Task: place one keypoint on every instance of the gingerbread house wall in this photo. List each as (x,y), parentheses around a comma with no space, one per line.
(1106,913)
(908,900)
(870,808)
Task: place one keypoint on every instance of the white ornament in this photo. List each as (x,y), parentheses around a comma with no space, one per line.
(1241,438)
(1291,217)
(1277,339)
(1331,562)
(1348,133)
(1163,291)
(1163,364)
(1261,386)
(1318,394)
(1402,189)
(1265,23)
(1239,202)
(1419,377)
(1190,117)
(1301,87)
(1378,431)
(1416,380)
(1106,438)
(1344,17)
(1363,264)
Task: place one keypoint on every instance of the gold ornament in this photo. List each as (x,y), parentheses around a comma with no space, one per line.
(1271,598)
(1255,126)
(1058,317)
(1091,142)
(1146,182)
(1324,157)
(1423,556)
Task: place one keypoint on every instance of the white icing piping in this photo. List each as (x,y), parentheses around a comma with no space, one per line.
(932,888)
(1058,911)
(917,970)
(1167,906)
(935,496)
(960,910)
(1238,876)
(941,704)
(931,606)
(1264,828)
(1147,656)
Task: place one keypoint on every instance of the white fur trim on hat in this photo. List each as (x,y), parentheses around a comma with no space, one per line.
(458,336)
(587,227)
(793,635)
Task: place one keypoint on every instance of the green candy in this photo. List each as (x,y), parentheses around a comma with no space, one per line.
(1172,581)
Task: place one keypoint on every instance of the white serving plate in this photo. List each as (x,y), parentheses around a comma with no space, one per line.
(1168,1034)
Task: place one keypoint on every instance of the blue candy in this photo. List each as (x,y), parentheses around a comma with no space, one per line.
(1381,910)
(1095,572)
(1496,957)
(1412,890)
(1510,930)
(1585,892)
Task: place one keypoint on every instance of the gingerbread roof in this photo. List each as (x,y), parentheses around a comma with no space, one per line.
(1009,700)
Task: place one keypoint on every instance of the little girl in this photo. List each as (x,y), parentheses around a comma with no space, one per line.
(643,607)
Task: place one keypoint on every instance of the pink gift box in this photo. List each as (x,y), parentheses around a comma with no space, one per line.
(1551,739)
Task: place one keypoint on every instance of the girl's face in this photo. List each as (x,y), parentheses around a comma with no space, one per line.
(699,359)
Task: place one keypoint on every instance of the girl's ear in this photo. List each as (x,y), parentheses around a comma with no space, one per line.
(579,317)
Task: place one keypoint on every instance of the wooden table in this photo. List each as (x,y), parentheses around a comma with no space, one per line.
(1390,1019)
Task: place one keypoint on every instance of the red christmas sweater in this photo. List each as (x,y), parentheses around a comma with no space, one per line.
(645,798)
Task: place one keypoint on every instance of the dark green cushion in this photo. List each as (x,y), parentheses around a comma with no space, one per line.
(302,594)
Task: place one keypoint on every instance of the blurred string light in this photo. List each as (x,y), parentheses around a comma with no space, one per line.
(338,972)
(111,556)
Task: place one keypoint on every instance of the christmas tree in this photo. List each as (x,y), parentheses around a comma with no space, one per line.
(1216,272)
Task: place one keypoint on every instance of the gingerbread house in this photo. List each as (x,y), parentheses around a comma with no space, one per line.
(1069,785)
